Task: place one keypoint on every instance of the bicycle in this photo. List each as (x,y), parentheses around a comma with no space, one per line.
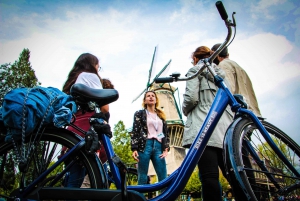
(38,179)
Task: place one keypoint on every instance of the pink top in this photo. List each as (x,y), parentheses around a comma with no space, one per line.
(154,124)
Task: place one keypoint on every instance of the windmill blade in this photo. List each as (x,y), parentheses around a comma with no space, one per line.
(139,95)
(180,108)
(162,70)
(150,72)
(151,67)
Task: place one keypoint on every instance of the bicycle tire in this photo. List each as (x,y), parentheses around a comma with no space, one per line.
(254,176)
(49,147)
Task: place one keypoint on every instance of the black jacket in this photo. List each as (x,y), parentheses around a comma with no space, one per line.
(140,132)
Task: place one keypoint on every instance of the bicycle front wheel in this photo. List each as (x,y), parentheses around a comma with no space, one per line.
(264,174)
(46,149)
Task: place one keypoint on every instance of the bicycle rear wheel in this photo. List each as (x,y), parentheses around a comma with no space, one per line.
(263,173)
(47,149)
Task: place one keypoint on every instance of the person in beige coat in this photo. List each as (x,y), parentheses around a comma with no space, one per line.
(198,98)
(238,78)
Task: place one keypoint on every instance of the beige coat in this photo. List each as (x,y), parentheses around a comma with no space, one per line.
(198,98)
(240,83)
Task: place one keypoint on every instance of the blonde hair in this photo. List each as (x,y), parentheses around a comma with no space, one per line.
(158,111)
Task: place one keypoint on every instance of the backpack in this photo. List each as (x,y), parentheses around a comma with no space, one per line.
(30,107)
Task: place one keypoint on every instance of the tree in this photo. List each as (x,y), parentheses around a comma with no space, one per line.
(18,74)
(194,184)
(224,183)
(275,164)
(121,143)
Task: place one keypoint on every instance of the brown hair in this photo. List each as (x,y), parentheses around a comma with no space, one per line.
(159,112)
(202,52)
(107,84)
(86,62)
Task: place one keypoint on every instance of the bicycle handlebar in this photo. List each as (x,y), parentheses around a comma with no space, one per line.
(175,76)
(164,80)
(221,10)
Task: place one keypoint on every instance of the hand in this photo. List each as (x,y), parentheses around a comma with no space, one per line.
(164,154)
(100,115)
(135,156)
(103,129)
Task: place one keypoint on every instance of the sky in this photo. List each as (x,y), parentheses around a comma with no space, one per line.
(124,33)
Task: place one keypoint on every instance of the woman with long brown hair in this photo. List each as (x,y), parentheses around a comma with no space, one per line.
(84,71)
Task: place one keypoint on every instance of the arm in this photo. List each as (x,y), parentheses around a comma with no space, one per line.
(166,141)
(191,95)
(135,131)
(105,108)
(135,134)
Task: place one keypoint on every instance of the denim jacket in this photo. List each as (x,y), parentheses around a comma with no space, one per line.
(49,104)
(140,132)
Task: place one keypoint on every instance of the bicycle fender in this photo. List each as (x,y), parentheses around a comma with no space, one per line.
(229,163)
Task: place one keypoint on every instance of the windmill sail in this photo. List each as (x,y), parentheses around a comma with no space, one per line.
(151,67)
(149,84)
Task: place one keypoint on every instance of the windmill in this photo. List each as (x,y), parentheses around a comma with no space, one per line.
(167,102)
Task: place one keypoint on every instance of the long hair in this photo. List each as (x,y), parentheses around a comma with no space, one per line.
(86,62)
(159,112)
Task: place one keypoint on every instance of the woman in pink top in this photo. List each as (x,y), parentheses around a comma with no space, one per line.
(150,138)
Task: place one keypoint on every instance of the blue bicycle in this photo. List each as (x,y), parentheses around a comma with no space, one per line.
(261,161)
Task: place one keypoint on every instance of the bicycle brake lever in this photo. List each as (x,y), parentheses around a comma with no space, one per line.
(233,19)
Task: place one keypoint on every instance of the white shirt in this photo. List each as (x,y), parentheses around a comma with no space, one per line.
(89,79)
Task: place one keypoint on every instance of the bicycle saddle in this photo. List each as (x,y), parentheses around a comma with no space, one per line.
(83,94)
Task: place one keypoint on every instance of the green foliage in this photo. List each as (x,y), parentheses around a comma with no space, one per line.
(194,184)
(55,172)
(224,183)
(18,74)
(274,163)
(121,143)
(9,176)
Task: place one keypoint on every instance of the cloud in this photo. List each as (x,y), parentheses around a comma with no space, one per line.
(263,7)
(280,107)
(263,58)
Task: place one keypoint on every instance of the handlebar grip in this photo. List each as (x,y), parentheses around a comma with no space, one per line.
(164,80)
(221,10)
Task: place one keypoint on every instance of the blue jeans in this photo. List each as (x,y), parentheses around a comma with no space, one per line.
(76,176)
(151,152)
